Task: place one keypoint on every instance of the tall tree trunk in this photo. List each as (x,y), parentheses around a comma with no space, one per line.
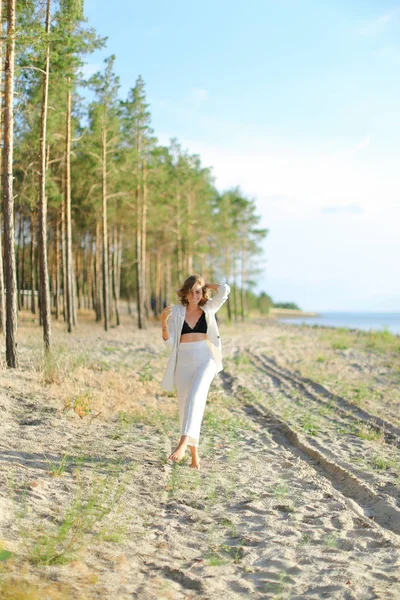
(73,288)
(43,267)
(33,267)
(22,286)
(203,266)
(2,295)
(235,302)
(189,249)
(168,284)
(110,270)
(98,273)
(8,198)
(115,274)
(64,254)
(106,305)
(88,274)
(138,282)
(229,308)
(179,237)
(139,297)
(39,300)
(69,277)
(84,273)
(18,265)
(243,308)
(144,268)
(147,278)
(119,262)
(57,267)
(90,278)
(128,299)
(158,284)
(78,276)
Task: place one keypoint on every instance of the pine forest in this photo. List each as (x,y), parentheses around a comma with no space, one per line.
(94,208)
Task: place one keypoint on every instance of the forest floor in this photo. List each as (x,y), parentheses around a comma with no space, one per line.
(298,495)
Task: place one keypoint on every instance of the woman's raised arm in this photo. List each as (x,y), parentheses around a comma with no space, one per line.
(220,297)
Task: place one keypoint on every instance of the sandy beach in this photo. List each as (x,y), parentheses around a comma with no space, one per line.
(298,495)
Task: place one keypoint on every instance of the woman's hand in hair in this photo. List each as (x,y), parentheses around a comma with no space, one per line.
(213,286)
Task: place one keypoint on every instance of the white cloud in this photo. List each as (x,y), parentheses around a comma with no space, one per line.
(376,26)
(296,182)
(361,145)
(353,208)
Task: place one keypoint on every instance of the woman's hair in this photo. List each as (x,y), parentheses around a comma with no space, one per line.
(187,286)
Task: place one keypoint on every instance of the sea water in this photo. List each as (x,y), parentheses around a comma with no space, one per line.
(352,320)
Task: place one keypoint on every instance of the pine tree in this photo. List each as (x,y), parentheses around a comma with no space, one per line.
(105,126)
(8,198)
(45,306)
(138,143)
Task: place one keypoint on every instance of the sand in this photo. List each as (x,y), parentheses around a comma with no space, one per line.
(298,495)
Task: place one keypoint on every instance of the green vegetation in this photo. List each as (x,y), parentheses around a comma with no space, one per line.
(94,502)
(382,342)
(146,373)
(383,463)
(321,358)
(280,589)
(310,424)
(57,470)
(288,305)
(330,540)
(220,422)
(366,432)
(155,417)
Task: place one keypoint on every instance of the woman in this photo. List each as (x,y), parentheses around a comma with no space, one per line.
(191,331)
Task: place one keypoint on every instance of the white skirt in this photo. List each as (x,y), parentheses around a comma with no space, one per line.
(195,370)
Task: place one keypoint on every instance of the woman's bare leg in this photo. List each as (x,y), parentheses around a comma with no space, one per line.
(195,457)
(180,450)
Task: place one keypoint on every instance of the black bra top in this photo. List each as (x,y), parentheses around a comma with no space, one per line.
(200,327)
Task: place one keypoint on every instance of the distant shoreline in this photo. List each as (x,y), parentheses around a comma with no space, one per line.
(351,321)
(291,312)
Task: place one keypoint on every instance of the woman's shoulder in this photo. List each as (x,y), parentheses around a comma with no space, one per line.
(177,309)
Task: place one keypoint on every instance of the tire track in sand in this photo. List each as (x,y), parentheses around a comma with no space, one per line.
(361,499)
(319,394)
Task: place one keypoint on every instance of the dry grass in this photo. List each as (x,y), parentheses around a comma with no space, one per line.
(13,587)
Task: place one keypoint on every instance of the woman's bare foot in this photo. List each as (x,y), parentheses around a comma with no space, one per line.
(180,450)
(195,458)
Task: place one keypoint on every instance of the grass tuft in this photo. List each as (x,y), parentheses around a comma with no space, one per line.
(59,363)
(94,504)
(81,404)
(366,432)
(146,373)
(309,424)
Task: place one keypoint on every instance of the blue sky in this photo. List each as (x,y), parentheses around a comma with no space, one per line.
(296,101)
